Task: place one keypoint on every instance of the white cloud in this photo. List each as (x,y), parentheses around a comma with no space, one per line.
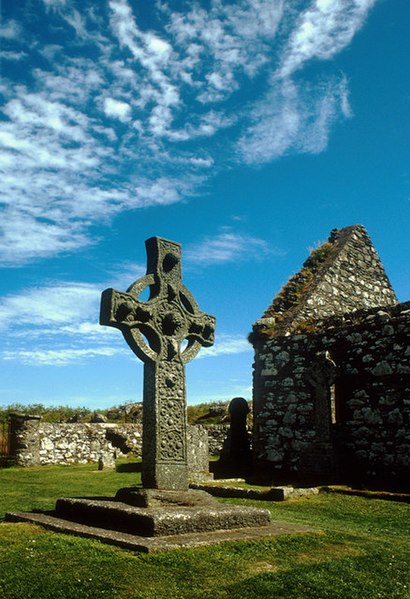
(54,304)
(152,54)
(293,119)
(120,117)
(276,124)
(10,29)
(14,56)
(226,344)
(226,247)
(55,4)
(63,320)
(24,237)
(64,307)
(59,357)
(57,324)
(324,29)
(117,109)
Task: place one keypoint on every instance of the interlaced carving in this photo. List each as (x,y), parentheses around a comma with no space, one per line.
(155,330)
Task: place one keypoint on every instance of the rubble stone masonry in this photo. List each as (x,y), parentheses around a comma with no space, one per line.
(335,402)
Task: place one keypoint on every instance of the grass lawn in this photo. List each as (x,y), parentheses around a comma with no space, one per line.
(361,552)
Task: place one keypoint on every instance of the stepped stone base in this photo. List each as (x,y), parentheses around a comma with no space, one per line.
(152,520)
(160,520)
(156,544)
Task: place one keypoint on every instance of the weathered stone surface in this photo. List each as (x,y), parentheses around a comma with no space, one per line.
(217,434)
(272,494)
(159,521)
(169,317)
(374,404)
(38,443)
(161,498)
(350,278)
(339,418)
(198,453)
(24,438)
(156,544)
(72,443)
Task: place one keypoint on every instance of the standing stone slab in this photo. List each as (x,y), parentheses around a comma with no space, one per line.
(155,330)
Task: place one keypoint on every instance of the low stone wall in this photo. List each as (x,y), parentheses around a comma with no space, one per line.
(217,434)
(337,399)
(36,443)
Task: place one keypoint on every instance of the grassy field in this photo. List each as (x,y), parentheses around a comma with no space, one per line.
(361,551)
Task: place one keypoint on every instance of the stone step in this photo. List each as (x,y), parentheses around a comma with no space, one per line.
(155,544)
(149,522)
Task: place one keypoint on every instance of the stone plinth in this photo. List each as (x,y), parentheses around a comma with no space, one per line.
(159,521)
(156,498)
(164,543)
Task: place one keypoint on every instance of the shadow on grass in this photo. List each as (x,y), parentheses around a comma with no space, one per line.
(230,469)
(131,467)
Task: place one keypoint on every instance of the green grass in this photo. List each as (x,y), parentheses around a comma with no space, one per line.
(362,550)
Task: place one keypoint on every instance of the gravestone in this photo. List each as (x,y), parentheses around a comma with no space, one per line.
(236,456)
(155,330)
(239,437)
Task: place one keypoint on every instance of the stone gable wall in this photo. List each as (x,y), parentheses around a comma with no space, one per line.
(351,278)
(365,359)
(354,280)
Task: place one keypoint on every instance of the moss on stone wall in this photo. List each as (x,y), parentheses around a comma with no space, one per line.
(299,285)
(341,276)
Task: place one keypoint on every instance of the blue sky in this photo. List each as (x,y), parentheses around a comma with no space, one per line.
(244,130)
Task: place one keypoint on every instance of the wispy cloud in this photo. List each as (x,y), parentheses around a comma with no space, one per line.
(59,357)
(117,116)
(10,29)
(56,324)
(226,344)
(54,304)
(228,246)
(293,119)
(116,109)
(64,356)
(322,30)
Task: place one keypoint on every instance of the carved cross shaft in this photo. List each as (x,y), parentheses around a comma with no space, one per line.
(155,331)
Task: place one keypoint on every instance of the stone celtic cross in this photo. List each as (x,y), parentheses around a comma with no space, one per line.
(166,332)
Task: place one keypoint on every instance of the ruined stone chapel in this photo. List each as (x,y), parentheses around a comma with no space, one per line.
(332,371)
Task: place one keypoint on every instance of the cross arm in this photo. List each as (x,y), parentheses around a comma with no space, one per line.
(122,311)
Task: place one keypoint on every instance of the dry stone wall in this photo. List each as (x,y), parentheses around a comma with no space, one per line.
(37,443)
(336,401)
(217,434)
